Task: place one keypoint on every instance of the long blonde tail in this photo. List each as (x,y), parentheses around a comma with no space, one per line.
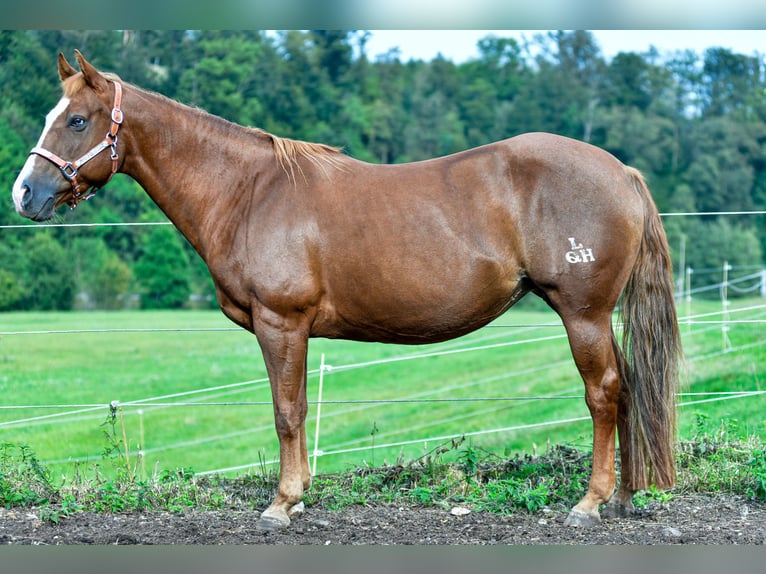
(652,350)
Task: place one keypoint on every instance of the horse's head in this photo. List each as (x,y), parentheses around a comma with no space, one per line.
(68,165)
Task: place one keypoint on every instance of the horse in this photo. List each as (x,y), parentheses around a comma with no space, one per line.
(304,241)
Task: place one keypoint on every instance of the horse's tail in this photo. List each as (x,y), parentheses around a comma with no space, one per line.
(652,349)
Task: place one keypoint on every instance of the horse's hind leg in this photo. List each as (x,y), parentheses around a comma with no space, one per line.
(620,505)
(590,338)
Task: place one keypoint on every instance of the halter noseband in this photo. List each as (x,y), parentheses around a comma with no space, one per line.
(70,169)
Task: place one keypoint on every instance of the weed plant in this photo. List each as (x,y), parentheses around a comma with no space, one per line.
(719,459)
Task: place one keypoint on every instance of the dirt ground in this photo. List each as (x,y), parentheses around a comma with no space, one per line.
(687,519)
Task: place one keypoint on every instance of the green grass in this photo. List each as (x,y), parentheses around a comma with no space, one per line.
(717,461)
(97,368)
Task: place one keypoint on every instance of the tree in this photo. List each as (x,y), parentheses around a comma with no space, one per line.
(13,152)
(722,174)
(580,63)
(714,242)
(11,292)
(222,80)
(489,87)
(48,277)
(563,95)
(435,128)
(101,275)
(628,82)
(730,80)
(28,78)
(12,288)
(334,52)
(643,140)
(163,270)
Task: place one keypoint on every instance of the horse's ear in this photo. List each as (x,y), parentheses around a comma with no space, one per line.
(92,76)
(65,69)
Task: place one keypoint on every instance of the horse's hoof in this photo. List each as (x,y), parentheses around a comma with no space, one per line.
(271,523)
(579,519)
(296,509)
(617,510)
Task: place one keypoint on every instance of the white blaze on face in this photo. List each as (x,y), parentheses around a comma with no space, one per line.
(29,166)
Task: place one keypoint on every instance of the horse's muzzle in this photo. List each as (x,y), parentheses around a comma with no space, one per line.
(37,206)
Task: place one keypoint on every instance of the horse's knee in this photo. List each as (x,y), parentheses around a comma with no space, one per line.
(289,421)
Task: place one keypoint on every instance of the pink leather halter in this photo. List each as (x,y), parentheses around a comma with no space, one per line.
(70,169)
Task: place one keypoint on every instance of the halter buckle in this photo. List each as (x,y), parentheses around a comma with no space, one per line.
(113,147)
(69,170)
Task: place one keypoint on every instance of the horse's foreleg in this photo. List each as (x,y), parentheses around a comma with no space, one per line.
(284,352)
(591,344)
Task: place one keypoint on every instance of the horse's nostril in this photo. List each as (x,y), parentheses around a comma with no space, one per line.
(26,196)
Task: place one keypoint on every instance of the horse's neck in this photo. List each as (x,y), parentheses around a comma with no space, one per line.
(186,161)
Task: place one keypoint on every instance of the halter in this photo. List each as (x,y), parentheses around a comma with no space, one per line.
(70,169)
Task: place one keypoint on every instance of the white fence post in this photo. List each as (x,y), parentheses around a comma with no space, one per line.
(725,343)
(317,452)
(682,268)
(688,279)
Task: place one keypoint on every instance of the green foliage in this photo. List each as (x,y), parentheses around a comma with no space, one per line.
(12,266)
(223,78)
(555,480)
(719,240)
(643,498)
(13,151)
(507,494)
(102,277)
(11,292)
(163,270)
(48,278)
(480,480)
(722,458)
(23,480)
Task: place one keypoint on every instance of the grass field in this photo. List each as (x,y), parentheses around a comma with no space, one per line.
(205,402)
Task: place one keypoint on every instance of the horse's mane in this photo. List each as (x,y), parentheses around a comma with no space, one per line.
(289,151)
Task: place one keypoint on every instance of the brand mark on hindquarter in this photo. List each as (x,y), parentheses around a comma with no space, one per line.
(578,253)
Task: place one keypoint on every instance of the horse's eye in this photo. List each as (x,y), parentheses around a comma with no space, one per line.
(77,123)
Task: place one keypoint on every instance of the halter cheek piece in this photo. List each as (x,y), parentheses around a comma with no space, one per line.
(70,169)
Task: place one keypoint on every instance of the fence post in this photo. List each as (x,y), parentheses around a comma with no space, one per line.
(317,452)
(689,272)
(141,445)
(725,343)
(682,267)
(763,282)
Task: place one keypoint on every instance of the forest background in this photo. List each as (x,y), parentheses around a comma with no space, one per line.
(695,124)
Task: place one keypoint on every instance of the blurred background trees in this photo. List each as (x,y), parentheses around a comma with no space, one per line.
(695,124)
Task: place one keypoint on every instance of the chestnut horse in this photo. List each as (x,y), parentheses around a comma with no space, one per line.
(303,241)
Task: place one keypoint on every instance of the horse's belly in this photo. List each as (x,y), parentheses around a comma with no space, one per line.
(431,307)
